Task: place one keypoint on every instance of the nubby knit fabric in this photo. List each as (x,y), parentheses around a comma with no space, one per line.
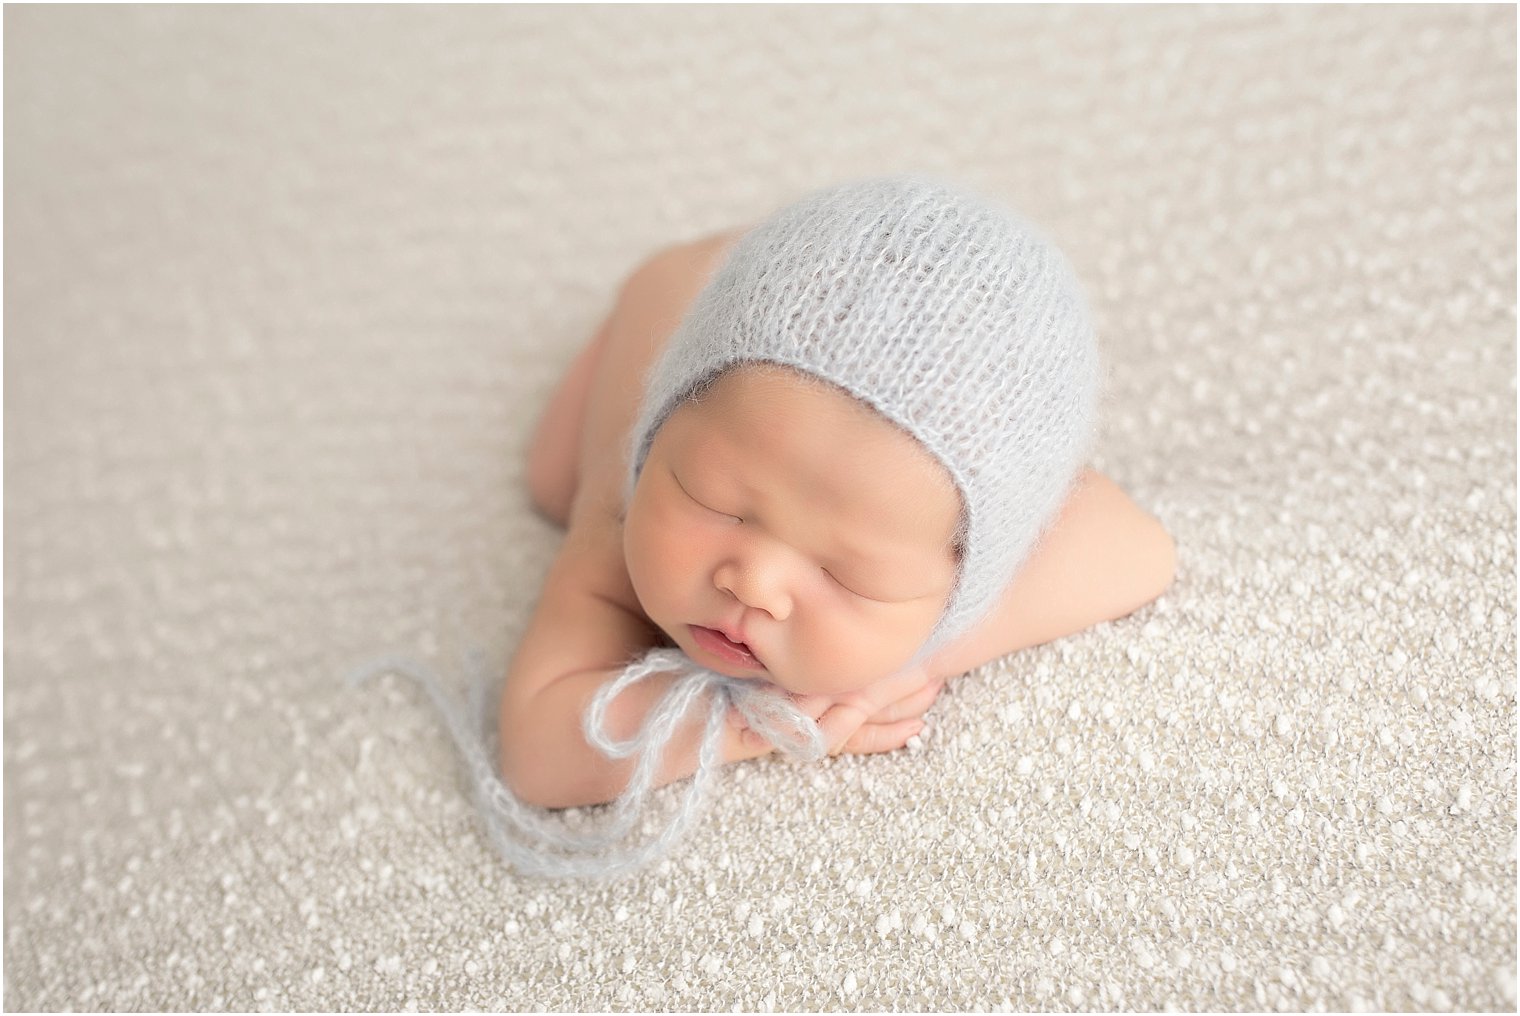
(948,314)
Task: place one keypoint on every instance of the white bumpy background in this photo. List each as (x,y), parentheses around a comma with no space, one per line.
(286,288)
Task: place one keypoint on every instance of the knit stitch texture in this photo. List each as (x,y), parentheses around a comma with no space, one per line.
(948,314)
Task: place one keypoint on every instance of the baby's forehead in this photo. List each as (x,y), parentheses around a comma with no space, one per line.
(764,399)
(802,434)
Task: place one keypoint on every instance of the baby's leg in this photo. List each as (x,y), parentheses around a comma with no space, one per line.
(554,454)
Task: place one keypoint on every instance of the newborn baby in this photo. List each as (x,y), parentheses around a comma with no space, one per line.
(837,454)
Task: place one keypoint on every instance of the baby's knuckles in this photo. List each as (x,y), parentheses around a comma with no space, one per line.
(878,718)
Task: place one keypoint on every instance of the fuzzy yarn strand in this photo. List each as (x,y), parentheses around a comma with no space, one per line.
(526,838)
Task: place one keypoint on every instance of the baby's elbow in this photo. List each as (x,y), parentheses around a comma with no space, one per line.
(520,779)
(540,782)
(527,778)
(1149,566)
(1161,566)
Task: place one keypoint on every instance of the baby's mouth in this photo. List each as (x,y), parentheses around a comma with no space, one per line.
(721,646)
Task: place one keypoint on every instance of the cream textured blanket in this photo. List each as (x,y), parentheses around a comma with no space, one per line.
(286,287)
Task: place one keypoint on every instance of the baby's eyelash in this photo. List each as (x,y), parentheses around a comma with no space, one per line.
(699,504)
(715,511)
(841,585)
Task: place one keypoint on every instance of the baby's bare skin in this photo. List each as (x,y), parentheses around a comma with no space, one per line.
(1102,558)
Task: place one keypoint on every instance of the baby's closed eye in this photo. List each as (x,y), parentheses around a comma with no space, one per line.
(701,504)
(837,581)
(847,587)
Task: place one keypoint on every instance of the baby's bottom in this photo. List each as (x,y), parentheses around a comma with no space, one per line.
(554,453)
(649,304)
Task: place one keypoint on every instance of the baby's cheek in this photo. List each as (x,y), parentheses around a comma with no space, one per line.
(649,551)
(883,644)
(839,655)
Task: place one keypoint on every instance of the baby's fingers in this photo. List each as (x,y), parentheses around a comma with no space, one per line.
(874,738)
(910,707)
(740,742)
(813,706)
(839,725)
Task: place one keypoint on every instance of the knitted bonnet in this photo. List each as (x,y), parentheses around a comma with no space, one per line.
(952,317)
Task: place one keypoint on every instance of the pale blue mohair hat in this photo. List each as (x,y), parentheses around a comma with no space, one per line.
(946,312)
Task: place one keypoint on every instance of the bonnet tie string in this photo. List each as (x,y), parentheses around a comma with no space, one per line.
(523,835)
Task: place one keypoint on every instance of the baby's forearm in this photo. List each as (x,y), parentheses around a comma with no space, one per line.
(547,761)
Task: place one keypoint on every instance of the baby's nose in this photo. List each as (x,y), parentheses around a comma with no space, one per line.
(756,584)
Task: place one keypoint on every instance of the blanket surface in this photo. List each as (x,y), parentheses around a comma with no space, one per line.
(286,288)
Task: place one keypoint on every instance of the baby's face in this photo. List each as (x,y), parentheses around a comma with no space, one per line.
(798,521)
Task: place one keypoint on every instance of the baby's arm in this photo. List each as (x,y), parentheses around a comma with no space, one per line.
(580,637)
(1102,558)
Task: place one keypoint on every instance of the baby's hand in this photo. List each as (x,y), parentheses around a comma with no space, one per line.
(878,718)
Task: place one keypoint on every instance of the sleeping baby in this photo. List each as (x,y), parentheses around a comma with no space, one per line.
(809,471)
(836,459)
